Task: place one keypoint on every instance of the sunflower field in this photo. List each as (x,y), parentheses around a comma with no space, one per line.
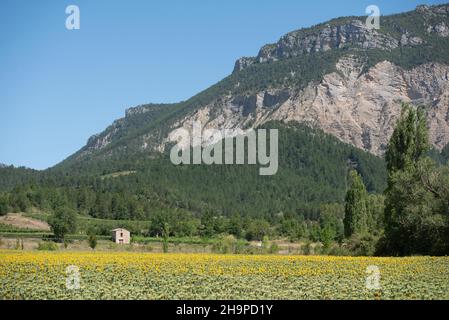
(111,275)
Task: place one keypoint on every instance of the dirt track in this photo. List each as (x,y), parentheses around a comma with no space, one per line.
(18,220)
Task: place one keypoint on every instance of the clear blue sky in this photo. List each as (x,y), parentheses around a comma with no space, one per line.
(58,87)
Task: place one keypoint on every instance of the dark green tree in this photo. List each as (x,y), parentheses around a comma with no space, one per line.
(327,235)
(20,201)
(63,222)
(356,216)
(3,205)
(375,210)
(419,202)
(293,228)
(208,224)
(417,197)
(235,226)
(157,224)
(331,217)
(92,239)
(409,141)
(407,145)
(257,229)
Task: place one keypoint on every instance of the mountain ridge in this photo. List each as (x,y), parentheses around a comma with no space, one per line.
(339,32)
(282,78)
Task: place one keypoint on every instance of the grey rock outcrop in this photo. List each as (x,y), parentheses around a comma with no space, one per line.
(243,63)
(355,34)
(440,29)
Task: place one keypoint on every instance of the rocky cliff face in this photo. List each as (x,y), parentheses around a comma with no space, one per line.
(355,33)
(358,107)
(347,33)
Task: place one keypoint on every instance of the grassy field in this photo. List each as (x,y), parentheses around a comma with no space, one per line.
(106,275)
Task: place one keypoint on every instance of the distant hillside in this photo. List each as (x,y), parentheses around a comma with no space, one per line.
(313,169)
(11,176)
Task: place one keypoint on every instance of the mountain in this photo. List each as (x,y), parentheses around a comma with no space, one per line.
(339,76)
(334,91)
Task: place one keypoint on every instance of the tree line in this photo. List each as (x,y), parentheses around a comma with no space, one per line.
(415,217)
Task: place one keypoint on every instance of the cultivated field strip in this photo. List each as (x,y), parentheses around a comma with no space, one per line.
(111,275)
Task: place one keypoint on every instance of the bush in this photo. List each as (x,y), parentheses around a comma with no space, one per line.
(339,251)
(17,247)
(225,244)
(240,246)
(257,230)
(306,248)
(274,248)
(65,243)
(92,240)
(362,245)
(47,246)
(265,243)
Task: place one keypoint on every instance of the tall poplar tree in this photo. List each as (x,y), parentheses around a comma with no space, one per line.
(409,141)
(356,215)
(408,144)
(414,219)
